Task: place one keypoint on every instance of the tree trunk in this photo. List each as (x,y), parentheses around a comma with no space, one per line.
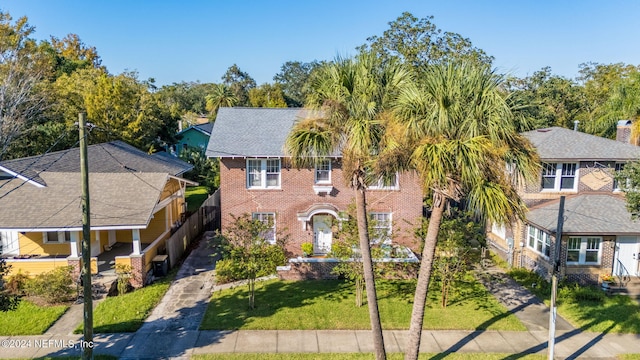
(424,276)
(369,281)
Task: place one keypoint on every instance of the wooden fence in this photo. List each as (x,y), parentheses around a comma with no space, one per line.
(207,218)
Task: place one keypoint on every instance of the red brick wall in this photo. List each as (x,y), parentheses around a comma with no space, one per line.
(297,195)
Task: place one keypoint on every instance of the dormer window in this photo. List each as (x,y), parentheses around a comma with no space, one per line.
(559,176)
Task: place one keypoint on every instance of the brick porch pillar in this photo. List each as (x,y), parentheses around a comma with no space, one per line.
(76,263)
(139,275)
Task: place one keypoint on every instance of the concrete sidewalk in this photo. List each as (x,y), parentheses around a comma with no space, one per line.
(182,344)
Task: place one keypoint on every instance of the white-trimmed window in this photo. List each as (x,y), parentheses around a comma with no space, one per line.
(269,219)
(559,176)
(323,171)
(381,227)
(585,250)
(56,237)
(539,241)
(616,184)
(263,173)
(385,184)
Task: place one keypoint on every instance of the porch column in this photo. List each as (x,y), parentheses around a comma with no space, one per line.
(136,241)
(73,238)
(112,237)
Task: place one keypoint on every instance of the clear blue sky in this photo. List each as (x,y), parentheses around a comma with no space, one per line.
(185,40)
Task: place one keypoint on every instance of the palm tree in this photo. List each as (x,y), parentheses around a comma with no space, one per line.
(464,140)
(351,97)
(221,96)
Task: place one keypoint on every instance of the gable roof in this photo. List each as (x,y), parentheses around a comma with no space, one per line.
(252,132)
(125,184)
(560,144)
(202,128)
(590,214)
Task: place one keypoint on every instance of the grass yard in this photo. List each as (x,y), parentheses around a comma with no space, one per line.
(587,308)
(29,319)
(195,196)
(330,304)
(126,313)
(360,356)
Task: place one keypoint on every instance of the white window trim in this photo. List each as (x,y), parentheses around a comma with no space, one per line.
(545,241)
(583,250)
(316,170)
(388,226)
(379,185)
(256,216)
(263,173)
(558,177)
(61,235)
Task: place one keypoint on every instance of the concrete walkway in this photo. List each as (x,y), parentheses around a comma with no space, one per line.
(171,330)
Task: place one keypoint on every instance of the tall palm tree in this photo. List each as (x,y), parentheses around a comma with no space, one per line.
(466,149)
(351,97)
(221,96)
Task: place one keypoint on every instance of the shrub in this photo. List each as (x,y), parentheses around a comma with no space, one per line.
(575,292)
(16,284)
(307,248)
(53,287)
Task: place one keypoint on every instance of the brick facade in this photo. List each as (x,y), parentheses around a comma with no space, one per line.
(296,195)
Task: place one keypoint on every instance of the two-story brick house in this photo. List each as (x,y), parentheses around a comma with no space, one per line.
(256,178)
(598,235)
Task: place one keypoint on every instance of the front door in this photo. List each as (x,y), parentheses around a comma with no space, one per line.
(322,234)
(9,243)
(627,256)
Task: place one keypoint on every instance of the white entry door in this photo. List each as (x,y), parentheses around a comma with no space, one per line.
(627,256)
(322,234)
(9,244)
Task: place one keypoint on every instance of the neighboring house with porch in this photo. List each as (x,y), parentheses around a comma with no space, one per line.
(194,137)
(256,178)
(136,200)
(598,235)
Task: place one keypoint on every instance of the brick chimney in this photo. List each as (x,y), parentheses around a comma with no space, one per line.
(623,131)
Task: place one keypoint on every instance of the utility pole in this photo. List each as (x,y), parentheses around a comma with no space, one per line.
(554,280)
(87,341)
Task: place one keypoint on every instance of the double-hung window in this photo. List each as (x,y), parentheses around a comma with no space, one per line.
(56,236)
(381,224)
(263,173)
(559,176)
(584,250)
(269,220)
(323,171)
(539,241)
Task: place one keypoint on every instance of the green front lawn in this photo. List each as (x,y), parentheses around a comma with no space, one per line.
(330,304)
(126,313)
(29,319)
(587,308)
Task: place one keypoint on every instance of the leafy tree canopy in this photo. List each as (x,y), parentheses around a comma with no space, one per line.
(240,83)
(419,42)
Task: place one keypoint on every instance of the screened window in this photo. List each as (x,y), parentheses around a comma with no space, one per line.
(323,171)
(584,250)
(559,176)
(269,219)
(263,173)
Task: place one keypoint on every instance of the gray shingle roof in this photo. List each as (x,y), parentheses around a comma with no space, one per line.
(591,214)
(248,132)
(125,185)
(560,144)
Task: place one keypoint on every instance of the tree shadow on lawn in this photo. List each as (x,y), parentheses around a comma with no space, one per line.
(231,311)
